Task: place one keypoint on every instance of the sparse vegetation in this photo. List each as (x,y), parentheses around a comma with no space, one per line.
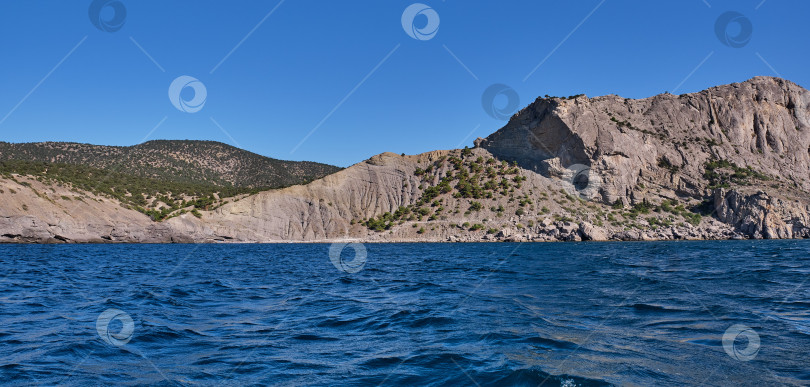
(157,178)
(460,177)
(723,173)
(180,161)
(664,163)
(130,190)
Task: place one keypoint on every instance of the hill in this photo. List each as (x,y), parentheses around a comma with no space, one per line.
(181,161)
(158,178)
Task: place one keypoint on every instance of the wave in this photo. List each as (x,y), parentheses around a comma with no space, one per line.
(642,307)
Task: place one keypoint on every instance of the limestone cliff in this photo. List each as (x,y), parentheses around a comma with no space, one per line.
(661,147)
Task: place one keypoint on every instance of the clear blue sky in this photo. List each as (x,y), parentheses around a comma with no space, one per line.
(351,67)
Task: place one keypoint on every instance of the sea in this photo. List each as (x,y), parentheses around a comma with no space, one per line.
(704,313)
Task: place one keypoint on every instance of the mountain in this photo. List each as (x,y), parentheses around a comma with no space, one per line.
(184,161)
(730,162)
(750,138)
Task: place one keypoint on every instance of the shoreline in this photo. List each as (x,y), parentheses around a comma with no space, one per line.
(379,242)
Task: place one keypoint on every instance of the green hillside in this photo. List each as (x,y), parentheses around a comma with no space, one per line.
(196,162)
(159,178)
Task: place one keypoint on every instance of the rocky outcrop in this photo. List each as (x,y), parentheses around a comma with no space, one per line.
(761,216)
(632,151)
(590,232)
(762,123)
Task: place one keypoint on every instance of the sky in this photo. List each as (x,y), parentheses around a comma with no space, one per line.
(340,81)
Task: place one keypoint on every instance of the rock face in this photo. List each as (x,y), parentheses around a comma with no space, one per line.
(31,211)
(762,123)
(761,216)
(730,162)
(659,147)
(320,210)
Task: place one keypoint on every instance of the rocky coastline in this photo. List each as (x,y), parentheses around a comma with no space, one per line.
(730,162)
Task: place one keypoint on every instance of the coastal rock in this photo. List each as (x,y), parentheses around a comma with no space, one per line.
(760,215)
(590,232)
(759,128)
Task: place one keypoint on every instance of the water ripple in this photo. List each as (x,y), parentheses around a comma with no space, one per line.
(573,314)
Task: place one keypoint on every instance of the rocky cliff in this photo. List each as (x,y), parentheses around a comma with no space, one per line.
(746,138)
(729,162)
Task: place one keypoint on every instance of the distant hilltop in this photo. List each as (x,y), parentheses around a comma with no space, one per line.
(730,162)
(158,178)
(189,161)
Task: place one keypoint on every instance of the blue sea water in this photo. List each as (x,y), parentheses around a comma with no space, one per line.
(584,314)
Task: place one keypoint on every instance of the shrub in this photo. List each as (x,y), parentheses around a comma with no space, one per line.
(693,219)
(664,163)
